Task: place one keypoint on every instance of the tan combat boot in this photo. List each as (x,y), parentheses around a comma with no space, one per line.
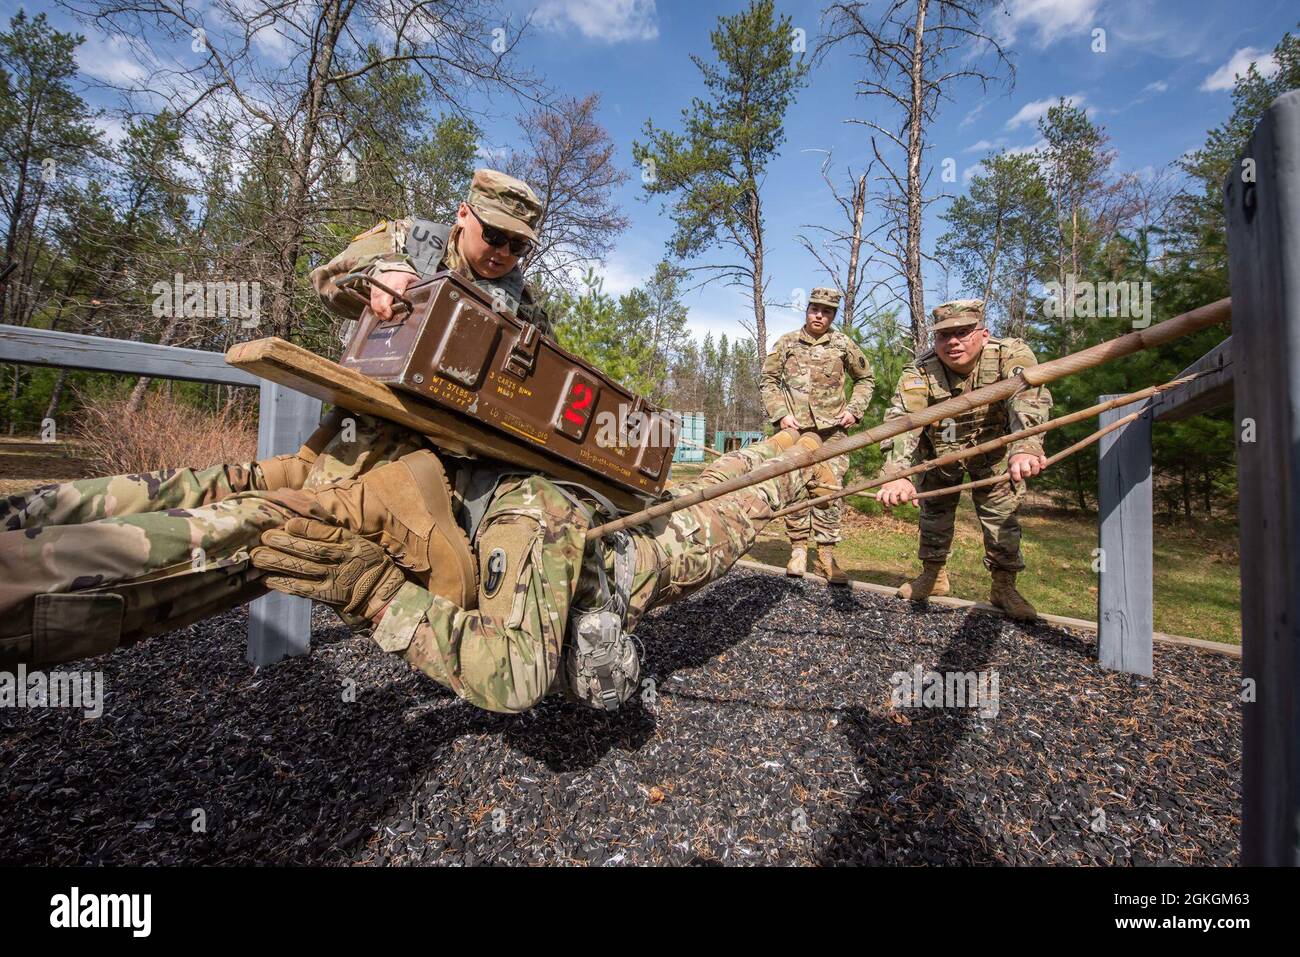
(1004,595)
(933,580)
(798,563)
(827,567)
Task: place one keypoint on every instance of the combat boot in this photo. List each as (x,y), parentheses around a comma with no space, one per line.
(827,566)
(798,563)
(932,581)
(1004,595)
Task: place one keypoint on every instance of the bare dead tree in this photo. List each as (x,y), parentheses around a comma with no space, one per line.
(844,251)
(567,156)
(914,52)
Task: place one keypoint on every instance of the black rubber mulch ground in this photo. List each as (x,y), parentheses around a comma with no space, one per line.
(772,739)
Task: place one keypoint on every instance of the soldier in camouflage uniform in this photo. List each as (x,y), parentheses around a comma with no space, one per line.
(180,536)
(803,387)
(476,573)
(493,233)
(503,608)
(966,357)
(553,611)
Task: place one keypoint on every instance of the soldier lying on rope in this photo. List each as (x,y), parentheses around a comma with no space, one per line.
(497,594)
(474,572)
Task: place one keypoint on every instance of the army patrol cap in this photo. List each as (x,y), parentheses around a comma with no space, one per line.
(958,312)
(825,297)
(505,202)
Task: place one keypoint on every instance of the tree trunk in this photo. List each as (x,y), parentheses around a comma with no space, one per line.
(1187,491)
(760,310)
(13,400)
(850,307)
(56,394)
(142,383)
(915,285)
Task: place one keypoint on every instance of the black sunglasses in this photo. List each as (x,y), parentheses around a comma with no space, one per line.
(496,238)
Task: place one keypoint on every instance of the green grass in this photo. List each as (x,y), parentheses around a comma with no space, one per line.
(1197,587)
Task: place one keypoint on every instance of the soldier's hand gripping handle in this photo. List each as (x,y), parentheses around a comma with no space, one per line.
(328,564)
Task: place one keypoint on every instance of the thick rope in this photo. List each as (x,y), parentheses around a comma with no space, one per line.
(1197,319)
(988,446)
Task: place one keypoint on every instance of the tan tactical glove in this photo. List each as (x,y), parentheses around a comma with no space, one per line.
(328,564)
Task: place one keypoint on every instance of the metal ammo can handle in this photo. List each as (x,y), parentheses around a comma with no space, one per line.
(354,277)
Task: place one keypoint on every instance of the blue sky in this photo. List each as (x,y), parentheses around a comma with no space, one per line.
(1162,81)
(1151,89)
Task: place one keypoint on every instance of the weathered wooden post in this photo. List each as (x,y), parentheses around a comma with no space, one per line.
(280,625)
(1124,594)
(1262,204)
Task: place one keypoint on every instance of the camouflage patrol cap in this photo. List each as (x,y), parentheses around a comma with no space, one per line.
(958,312)
(825,297)
(505,202)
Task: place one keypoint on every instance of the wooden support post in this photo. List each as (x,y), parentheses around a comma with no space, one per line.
(1124,596)
(1262,205)
(279,626)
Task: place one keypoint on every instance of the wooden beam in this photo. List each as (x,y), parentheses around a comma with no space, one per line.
(290,365)
(1262,205)
(1212,389)
(279,625)
(1125,611)
(72,350)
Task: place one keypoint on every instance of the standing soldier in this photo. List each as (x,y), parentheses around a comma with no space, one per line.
(803,388)
(965,357)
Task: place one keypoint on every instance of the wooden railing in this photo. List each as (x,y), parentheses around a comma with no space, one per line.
(278,625)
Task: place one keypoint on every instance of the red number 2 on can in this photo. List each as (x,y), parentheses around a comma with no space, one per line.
(579,398)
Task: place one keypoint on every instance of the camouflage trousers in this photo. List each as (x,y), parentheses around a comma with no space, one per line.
(506,654)
(996,506)
(822,522)
(91,564)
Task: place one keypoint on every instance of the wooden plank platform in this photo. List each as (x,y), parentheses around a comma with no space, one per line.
(279,361)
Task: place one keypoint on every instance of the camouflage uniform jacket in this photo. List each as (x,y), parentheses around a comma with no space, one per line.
(422,248)
(927,381)
(804,376)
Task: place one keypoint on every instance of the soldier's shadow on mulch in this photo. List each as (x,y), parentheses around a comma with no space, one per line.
(571,737)
(931,816)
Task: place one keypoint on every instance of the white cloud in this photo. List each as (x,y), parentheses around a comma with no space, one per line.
(612,21)
(970,117)
(109,58)
(1159,86)
(1034,147)
(979,147)
(622,273)
(112,127)
(1033,111)
(493,156)
(970,172)
(1237,65)
(1049,20)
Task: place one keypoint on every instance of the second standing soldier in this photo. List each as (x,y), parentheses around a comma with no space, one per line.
(803,387)
(965,357)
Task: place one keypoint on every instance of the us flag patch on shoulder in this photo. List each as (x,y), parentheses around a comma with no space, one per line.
(917,383)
